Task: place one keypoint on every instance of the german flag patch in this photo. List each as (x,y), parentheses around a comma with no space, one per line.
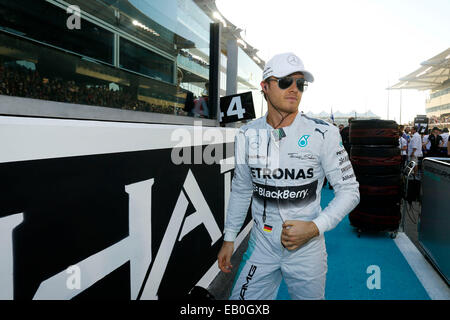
(267,228)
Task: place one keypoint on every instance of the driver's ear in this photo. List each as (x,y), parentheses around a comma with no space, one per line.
(264,86)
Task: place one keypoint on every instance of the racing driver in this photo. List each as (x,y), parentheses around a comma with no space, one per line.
(281,160)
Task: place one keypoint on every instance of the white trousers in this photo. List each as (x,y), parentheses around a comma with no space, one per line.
(267,262)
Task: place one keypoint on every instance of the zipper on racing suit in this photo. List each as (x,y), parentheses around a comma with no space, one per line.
(265,201)
(265,180)
(278,200)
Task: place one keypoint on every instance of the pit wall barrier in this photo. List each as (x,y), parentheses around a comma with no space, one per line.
(434,222)
(99,210)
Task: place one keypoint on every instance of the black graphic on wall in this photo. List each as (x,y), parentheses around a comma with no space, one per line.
(75,207)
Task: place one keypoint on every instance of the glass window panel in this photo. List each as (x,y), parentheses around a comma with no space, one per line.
(42,21)
(249,73)
(163,62)
(249,78)
(136,58)
(98,9)
(30,70)
(181,29)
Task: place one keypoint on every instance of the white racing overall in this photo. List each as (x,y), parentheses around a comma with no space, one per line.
(283,172)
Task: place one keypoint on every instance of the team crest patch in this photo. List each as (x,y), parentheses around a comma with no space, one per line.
(303,141)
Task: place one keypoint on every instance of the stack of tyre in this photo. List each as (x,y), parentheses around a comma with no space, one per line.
(376,160)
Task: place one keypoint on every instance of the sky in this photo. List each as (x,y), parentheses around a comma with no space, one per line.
(354,48)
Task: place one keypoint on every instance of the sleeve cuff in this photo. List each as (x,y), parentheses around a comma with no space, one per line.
(230,236)
(321,225)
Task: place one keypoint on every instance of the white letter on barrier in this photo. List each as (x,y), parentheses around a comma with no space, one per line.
(136,248)
(7,225)
(203,215)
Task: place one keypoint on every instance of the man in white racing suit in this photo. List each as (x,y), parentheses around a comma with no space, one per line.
(281,160)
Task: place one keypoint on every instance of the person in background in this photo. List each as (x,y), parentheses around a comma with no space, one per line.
(406,134)
(401,128)
(443,146)
(403,145)
(415,148)
(448,148)
(426,143)
(201,108)
(435,142)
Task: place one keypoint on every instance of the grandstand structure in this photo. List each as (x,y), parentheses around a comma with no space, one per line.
(434,76)
(126,60)
(95,96)
(341,117)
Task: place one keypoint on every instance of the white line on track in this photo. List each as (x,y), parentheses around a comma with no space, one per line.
(432,282)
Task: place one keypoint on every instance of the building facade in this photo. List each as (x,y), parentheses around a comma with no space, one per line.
(128,55)
(433,76)
(438,103)
(115,174)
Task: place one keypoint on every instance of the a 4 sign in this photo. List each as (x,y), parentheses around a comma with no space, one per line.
(236,107)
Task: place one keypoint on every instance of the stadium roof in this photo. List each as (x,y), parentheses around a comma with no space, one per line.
(338,114)
(433,73)
(229,30)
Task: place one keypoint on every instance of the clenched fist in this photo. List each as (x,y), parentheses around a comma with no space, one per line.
(296,233)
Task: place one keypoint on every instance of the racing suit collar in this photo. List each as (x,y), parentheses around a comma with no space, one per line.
(269,126)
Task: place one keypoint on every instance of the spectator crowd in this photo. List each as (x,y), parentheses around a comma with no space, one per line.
(440,120)
(416,146)
(20,81)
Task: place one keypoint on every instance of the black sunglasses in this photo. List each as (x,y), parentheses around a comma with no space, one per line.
(286,82)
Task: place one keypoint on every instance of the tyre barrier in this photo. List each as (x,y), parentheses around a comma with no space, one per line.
(373,132)
(379,210)
(376,190)
(369,221)
(385,201)
(375,160)
(372,151)
(380,181)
